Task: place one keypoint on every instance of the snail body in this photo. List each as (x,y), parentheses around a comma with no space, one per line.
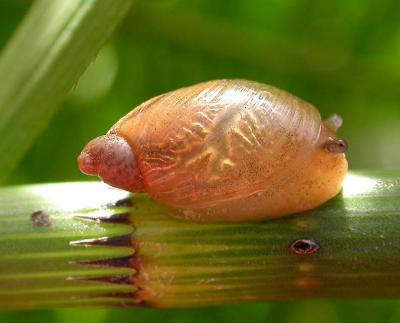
(224,150)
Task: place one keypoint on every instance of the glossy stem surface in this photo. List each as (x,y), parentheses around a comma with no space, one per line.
(75,244)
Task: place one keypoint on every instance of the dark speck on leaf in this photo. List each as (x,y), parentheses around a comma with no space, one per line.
(40,219)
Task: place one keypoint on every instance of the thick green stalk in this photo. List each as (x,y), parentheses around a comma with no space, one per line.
(52,47)
(87,244)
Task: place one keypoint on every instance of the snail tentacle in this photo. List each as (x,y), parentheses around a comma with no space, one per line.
(334,122)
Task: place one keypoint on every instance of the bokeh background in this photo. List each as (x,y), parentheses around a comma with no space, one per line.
(341,55)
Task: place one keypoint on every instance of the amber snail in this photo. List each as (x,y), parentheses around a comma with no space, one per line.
(224,150)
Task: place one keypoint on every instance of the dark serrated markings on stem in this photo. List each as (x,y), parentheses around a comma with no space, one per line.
(126,202)
(126,262)
(119,241)
(119,218)
(125,279)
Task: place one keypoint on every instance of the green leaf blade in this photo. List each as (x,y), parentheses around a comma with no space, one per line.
(45,58)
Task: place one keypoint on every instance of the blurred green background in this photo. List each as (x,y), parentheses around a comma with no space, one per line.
(343,56)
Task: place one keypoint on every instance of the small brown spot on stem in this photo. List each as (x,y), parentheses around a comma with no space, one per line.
(40,219)
(303,224)
(305,267)
(307,283)
(304,247)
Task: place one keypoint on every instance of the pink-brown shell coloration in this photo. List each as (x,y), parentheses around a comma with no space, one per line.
(224,150)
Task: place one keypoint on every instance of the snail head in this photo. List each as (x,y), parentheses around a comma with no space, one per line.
(111,158)
(335,145)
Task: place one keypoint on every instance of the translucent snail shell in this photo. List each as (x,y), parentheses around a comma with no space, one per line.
(224,150)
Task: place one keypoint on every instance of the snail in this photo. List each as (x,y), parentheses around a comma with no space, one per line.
(223,150)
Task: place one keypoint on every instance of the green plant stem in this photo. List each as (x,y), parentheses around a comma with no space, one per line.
(138,255)
(39,264)
(52,47)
